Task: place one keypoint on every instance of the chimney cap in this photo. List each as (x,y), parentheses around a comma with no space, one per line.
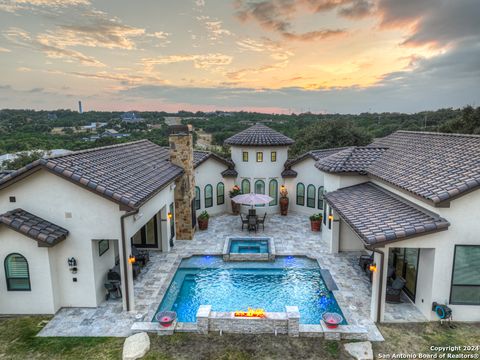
(180,129)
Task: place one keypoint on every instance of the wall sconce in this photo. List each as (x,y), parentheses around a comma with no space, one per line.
(72,265)
(373,267)
(170,215)
(330,217)
(131,259)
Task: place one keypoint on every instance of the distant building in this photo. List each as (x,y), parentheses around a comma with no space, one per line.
(52,116)
(130,117)
(45,154)
(173,120)
(94,126)
(80,110)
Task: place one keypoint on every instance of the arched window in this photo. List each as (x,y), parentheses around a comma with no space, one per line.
(245,186)
(208,196)
(311,196)
(197,198)
(273,192)
(300,194)
(220,193)
(260,188)
(16,273)
(321,192)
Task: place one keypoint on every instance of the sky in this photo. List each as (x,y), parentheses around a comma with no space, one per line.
(278,56)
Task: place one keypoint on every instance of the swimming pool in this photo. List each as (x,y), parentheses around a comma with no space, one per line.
(227,286)
(248,246)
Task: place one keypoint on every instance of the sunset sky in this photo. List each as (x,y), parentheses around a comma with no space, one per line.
(346,56)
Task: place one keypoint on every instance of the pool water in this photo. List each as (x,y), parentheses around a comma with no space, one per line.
(242,246)
(207,280)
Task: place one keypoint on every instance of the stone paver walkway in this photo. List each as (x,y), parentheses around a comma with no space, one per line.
(292,236)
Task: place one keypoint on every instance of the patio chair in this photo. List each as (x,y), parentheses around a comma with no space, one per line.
(252,223)
(244,221)
(364,261)
(252,212)
(261,221)
(113,290)
(394,291)
(141,256)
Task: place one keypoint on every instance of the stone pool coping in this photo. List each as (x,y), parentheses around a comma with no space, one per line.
(229,256)
(350,331)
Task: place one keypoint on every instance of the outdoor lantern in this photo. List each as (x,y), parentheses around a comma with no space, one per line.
(131,259)
(330,217)
(72,265)
(170,215)
(373,267)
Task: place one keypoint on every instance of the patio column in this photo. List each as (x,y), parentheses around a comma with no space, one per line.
(128,277)
(374,304)
(335,233)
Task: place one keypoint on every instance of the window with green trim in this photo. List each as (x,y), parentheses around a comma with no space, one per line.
(465,288)
(259,156)
(273,192)
(220,193)
(311,196)
(245,186)
(321,192)
(245,156)
(260,188)
(197,198)
(16,273)
(273,156)
(300,194)
(208,196)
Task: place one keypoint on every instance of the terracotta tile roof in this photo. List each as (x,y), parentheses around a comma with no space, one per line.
(200,156)
(289,173)
(46,233)
(433,166)
(379,216)
(313,154)
(350,160)
(230,173)
(259,135)
(128,173)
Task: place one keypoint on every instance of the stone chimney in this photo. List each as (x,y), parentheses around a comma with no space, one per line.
(181,154)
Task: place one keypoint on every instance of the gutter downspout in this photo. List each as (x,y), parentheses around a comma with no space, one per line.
(380,288)
(124,255)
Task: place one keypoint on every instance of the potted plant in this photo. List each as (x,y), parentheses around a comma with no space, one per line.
(316,222)
(203,220)
(283,200)
(235,206)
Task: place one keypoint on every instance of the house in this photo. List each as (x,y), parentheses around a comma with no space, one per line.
(410,199)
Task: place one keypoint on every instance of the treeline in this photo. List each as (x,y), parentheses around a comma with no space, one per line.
(24,130)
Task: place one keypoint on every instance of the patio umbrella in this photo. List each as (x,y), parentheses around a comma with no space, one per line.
(252,199)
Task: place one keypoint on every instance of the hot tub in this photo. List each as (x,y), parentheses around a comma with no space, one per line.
(248,249)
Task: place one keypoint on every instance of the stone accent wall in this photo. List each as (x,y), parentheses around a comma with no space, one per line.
(181,154)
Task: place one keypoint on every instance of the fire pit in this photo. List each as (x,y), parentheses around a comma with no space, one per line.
(332,320)
(166,318)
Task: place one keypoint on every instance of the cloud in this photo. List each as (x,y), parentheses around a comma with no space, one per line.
(214,28)
(4,49)
(277,15)
(200,61)
(22,38)
(123,78)
(432,22)
(274,49)
(200,3)
(13,6)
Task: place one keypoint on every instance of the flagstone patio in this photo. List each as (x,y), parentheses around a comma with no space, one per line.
(292,236)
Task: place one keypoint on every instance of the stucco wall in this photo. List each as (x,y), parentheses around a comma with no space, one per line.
(349,240)
(210,172)
(40,299)
(84,214)
(307,174)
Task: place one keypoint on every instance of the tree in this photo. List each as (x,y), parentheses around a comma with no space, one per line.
(21,160)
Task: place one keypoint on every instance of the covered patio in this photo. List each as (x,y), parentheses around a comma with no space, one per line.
(371,217)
